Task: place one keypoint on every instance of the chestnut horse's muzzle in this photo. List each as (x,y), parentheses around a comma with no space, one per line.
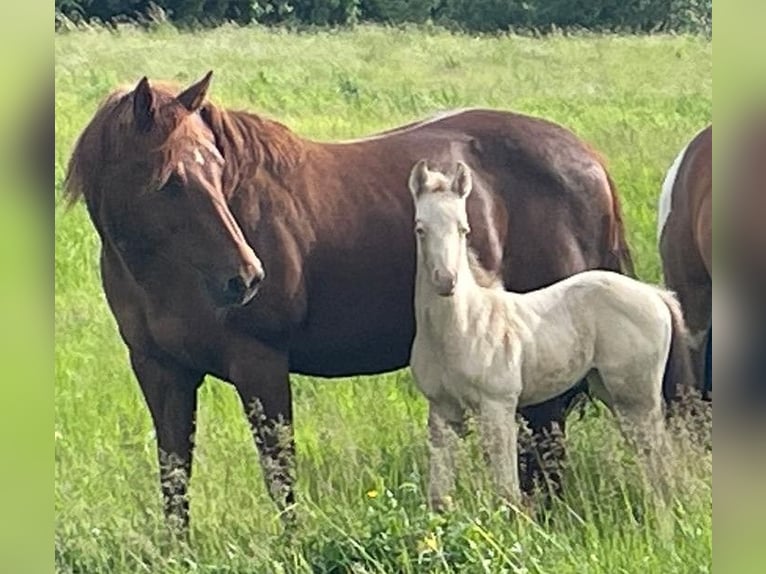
(240,289)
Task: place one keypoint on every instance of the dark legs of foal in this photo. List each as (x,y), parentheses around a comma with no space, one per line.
(170,391)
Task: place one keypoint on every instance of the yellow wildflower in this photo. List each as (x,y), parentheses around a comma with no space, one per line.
(372,493)
(429,543)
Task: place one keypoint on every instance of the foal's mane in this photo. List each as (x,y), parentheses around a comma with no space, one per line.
(247,142)
(482,276)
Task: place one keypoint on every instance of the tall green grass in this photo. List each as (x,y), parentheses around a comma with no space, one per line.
(361,441)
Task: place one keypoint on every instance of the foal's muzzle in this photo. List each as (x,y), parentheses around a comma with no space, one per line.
(444,282)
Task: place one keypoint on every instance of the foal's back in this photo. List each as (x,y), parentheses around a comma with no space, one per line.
(592,320)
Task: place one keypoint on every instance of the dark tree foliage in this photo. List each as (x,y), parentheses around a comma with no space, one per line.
(470,15)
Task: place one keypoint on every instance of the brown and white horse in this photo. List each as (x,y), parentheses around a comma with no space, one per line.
(231,246)
(685,235)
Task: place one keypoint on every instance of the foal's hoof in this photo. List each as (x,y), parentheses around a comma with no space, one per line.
(515,505)
(443,504)
(528,504)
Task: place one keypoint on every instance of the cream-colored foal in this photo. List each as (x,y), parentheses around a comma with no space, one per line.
(491,351)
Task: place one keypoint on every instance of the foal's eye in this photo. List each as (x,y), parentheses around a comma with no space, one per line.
(464,230)
(420,231)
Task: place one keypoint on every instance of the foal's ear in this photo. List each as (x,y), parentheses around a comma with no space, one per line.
(418,178)
(193,97)
(462,183)
(143,105)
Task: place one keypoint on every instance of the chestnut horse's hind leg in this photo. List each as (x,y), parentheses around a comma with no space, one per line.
(263,385)
(170,391)
(541,462)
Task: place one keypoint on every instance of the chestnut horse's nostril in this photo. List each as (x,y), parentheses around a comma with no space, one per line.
(243,287)
(236,286)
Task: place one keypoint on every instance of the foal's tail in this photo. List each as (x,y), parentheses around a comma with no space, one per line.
(678,369)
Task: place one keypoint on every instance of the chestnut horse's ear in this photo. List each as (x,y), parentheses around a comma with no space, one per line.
(143,105)
(462,183)
(418,178)
(193,97)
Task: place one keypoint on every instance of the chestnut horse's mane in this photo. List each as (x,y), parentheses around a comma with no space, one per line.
(247,142)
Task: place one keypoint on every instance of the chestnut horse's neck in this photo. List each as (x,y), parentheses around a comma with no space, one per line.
(251,144)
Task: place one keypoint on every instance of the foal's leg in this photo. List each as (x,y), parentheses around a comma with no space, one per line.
(170,391)
(499,433)
(261,378)
(444,425)
(642,422)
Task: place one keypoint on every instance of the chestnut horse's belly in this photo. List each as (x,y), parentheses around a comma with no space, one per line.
(380,354)
(358,343)
(350,331)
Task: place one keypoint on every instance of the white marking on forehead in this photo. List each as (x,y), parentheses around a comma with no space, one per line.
(667,192)
(209,146)
(198,156)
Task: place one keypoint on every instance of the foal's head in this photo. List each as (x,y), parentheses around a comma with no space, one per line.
(151,173)
(441,223)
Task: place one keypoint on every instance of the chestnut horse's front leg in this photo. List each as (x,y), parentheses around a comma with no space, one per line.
(170,391)
(261,377)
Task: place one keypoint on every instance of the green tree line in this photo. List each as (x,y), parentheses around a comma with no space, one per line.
(470,15)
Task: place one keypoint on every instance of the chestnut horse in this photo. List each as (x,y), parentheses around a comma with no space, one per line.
(685,235)
(233,247)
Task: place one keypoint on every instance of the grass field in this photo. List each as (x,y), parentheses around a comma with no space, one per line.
(361,442)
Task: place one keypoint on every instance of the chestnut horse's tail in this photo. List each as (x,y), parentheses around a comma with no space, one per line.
(678,375)
(618,256)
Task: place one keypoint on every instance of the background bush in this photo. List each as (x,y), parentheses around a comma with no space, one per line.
(469,15)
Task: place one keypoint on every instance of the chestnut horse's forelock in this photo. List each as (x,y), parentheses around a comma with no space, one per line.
(111,139)
(245,141)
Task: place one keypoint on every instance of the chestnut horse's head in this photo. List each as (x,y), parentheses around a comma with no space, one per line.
(152,176)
